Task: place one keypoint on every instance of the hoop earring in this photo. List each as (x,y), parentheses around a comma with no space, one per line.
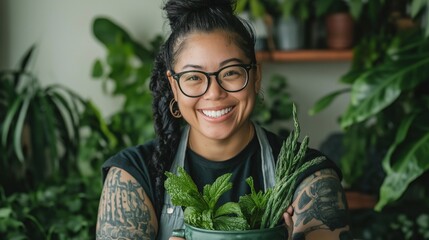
(174,112)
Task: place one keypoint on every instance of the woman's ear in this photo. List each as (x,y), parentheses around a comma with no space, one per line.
(173,83)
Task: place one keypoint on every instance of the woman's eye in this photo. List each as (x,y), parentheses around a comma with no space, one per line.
(193,78)
(230,73)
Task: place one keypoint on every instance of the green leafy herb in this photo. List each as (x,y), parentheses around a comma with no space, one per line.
(200,209)
(253,205)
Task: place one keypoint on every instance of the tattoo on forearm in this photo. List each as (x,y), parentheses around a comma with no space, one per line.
(123,213)
(320,204)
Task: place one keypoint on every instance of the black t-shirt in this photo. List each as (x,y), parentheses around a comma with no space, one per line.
(247,163)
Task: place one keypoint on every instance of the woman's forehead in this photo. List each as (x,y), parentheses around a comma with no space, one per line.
(208,48)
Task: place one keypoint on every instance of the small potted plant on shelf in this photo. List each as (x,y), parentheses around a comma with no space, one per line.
(290,23)
(259,14)
(338,17)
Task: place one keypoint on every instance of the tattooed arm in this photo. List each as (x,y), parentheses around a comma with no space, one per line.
(320,208)
(125,210)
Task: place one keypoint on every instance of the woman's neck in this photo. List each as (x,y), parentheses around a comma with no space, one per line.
(224,149)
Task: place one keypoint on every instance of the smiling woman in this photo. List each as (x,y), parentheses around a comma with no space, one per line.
(205,82)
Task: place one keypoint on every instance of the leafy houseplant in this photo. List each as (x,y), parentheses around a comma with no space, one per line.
(44,165)
(272,112)
(39,128)
(260,14)
(387,114)
(127,67)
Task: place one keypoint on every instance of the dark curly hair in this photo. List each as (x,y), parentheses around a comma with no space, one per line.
(186,17)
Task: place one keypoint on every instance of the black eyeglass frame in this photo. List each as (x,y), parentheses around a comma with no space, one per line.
(247,67)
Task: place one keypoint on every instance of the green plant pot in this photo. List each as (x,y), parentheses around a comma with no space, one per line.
(190,232)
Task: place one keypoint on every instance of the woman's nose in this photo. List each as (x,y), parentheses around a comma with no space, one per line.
(215,91)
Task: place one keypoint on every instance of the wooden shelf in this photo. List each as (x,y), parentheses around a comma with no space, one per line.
(305,56)
(357,200)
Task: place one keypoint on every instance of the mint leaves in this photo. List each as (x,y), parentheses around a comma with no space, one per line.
(253,205)
(200,209)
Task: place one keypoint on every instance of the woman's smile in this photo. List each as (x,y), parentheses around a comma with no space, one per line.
(211,113)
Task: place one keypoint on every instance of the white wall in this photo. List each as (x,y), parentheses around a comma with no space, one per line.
(308,82)
(66,46)
(67,49)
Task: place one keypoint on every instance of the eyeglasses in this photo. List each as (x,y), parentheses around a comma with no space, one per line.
(232,78)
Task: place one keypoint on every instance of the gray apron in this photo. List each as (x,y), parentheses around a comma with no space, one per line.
(172,216)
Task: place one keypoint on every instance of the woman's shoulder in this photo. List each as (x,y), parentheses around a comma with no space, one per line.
(139,154)
(135,161)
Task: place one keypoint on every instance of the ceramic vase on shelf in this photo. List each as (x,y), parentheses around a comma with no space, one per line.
(289,34)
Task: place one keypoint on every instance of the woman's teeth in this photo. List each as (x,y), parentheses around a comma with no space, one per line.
(216,114)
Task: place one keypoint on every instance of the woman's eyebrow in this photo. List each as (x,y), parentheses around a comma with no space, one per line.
(227,61)
(222,64)
(192,66)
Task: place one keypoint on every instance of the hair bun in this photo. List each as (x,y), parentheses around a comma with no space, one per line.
(177,10)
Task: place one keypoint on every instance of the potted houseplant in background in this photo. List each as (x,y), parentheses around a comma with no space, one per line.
(40,158)
(127,67)
(260,15)
(39,128)
(385,124)
(290,21)
(338,19)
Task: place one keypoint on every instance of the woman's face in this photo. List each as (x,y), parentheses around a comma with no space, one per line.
(218,114)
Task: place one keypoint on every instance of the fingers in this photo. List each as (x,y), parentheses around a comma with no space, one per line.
(175,238)
(288,220)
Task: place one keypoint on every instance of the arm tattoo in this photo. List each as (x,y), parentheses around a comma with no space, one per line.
(124,212)
(320,204)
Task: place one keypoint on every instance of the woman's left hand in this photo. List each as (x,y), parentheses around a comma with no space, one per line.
(288,220)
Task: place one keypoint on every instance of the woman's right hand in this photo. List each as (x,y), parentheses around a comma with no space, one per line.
(288,220)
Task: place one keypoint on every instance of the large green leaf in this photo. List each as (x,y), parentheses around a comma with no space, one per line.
(377,89)
(241,6)
(356,8)
(406,160)
(183,190)
(257,8)
(50,128)
(10,116)
(17,139)
(66,128)
(325,101)
(108,33)
(212,192)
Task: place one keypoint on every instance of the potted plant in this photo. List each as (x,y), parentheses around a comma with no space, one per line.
(39,128)
(338,16)
(290,23)
(260,15)
(385,124)
(127,66)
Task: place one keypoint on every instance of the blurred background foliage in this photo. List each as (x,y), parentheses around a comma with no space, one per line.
(53,141)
